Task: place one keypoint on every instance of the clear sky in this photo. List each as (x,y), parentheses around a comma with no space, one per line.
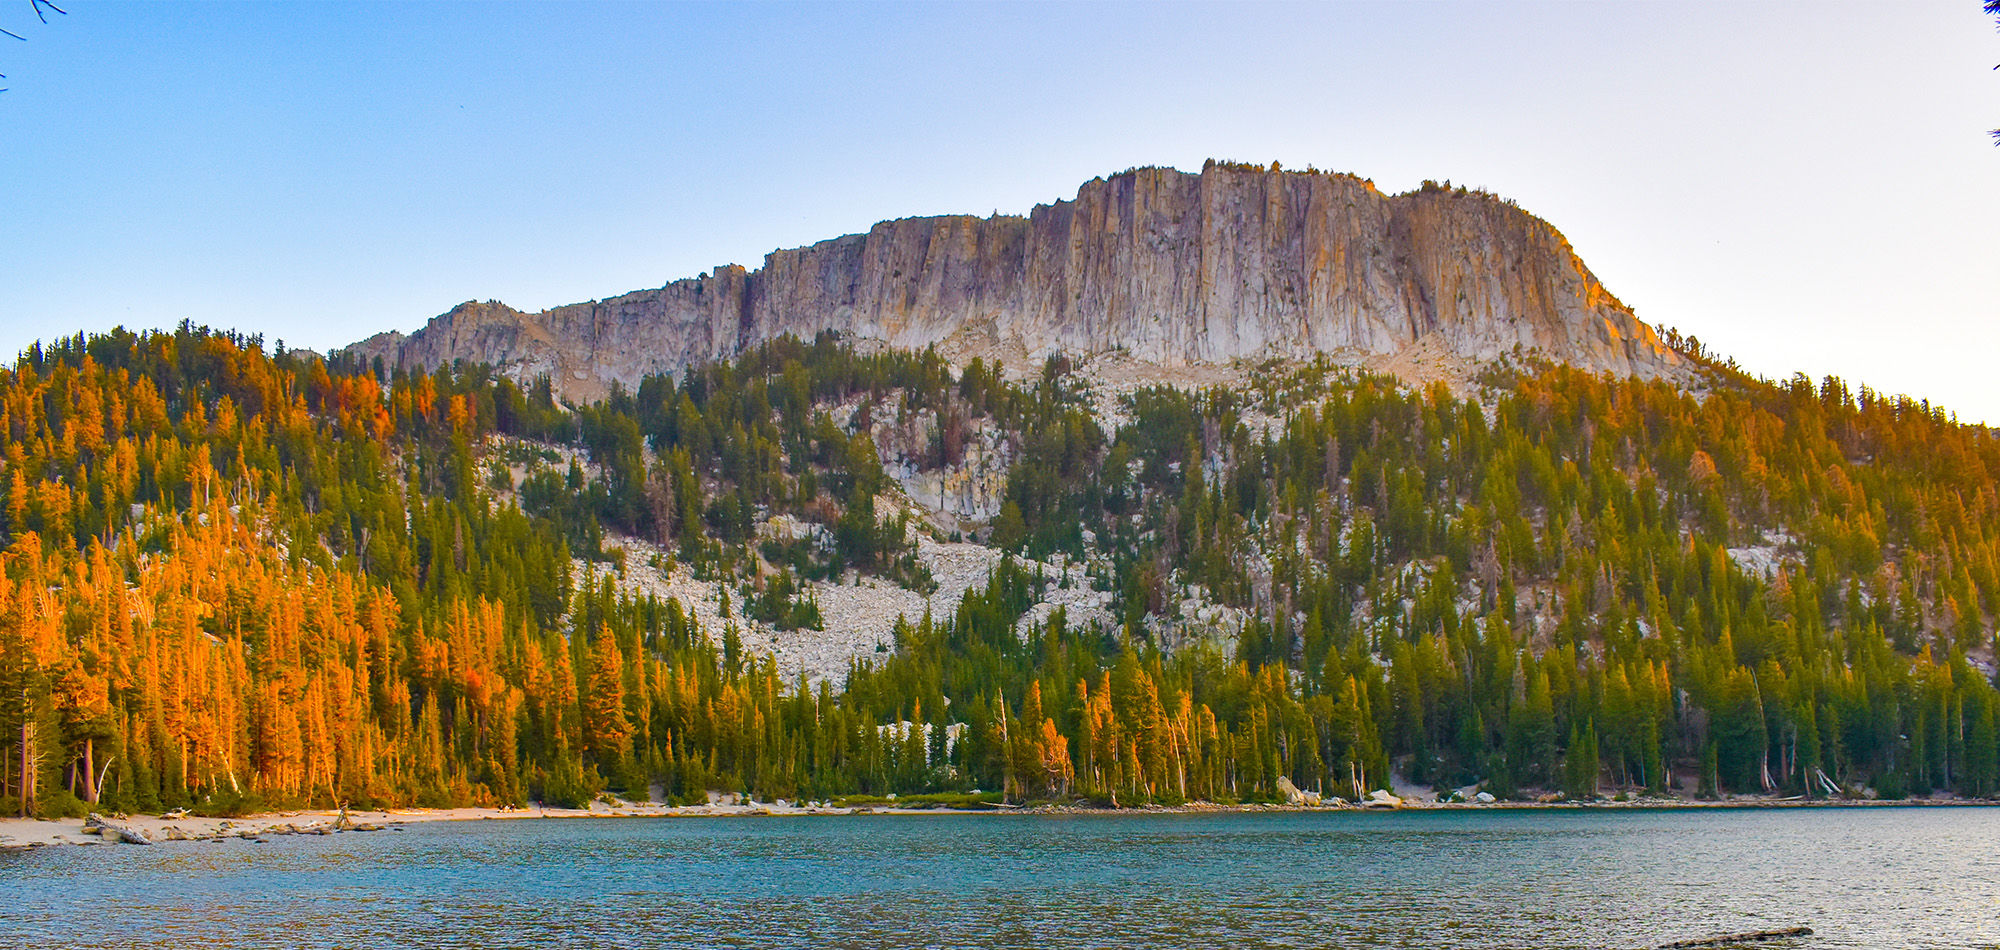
(1805,186)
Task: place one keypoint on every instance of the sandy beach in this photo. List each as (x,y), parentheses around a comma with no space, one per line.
(19,833)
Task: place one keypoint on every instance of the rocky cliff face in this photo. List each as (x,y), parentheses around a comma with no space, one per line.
(1170,268)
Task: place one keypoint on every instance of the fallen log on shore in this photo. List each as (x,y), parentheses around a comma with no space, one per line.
(114,832)
(1730,940)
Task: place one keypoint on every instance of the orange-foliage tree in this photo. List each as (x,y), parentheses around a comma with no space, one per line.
(233,580)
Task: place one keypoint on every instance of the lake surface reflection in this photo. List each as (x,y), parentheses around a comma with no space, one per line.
(1882,877)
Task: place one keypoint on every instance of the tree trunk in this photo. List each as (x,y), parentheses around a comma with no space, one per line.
(98,782)
(27,761)
(89,773)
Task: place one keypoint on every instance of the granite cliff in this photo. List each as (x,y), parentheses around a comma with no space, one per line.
(1161,266)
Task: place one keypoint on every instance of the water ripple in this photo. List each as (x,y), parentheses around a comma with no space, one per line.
(1915,878)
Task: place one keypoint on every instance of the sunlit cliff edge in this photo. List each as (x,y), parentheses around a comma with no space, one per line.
(1160,266)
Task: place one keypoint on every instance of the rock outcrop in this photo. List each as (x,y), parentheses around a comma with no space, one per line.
(1170,268)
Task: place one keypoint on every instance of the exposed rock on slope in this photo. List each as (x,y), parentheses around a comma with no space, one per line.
(860,617)
(1171,268)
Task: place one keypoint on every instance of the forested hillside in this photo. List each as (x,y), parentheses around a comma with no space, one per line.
(236,580)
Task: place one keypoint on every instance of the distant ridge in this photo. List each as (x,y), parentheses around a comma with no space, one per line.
(1170,268)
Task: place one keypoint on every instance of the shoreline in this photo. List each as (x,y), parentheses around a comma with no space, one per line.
(21,834)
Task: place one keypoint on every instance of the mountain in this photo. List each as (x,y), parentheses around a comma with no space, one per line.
(1169,268)
(829,565)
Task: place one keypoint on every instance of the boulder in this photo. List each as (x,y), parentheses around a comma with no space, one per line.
(1380,798)
(1295,795)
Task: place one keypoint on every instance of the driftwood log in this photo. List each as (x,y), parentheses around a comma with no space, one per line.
(114,832)
(1730,940)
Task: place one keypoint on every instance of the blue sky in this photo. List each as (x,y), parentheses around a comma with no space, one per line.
(1805,186)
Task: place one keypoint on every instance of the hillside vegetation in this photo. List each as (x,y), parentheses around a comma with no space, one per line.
(235,580)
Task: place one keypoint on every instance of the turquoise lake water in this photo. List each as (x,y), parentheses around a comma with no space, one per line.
(1887,877)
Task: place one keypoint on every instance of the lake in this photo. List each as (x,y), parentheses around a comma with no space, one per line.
(1876,877)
